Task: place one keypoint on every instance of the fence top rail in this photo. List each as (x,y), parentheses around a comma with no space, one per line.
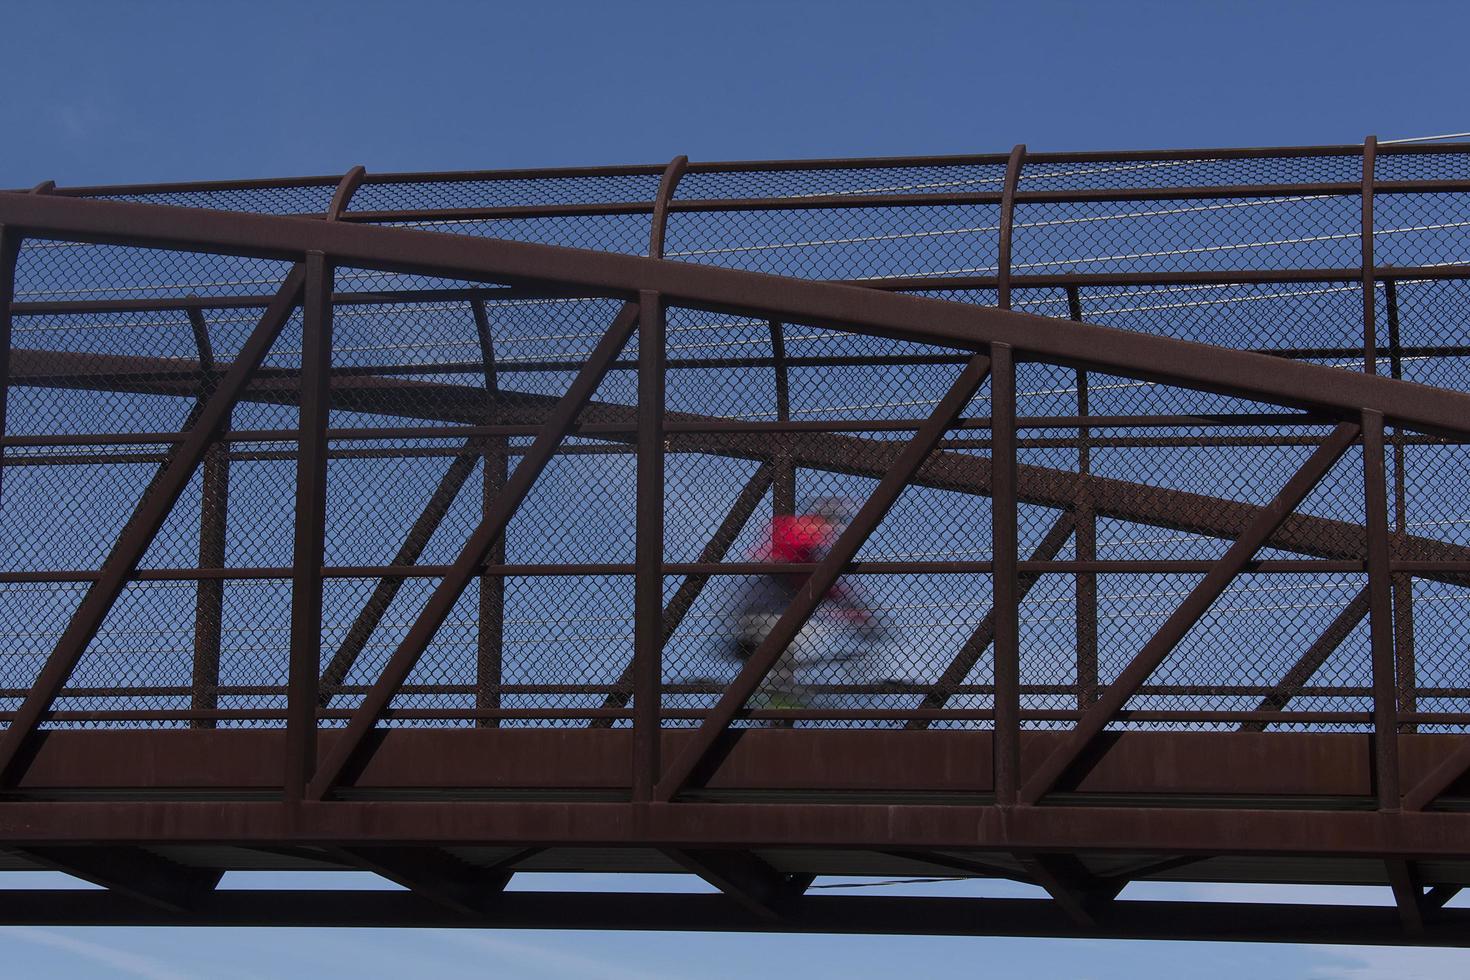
(653,170)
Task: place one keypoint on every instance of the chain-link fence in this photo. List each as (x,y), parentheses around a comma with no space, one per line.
(776,432)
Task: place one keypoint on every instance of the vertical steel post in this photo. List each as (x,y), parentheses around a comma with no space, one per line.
(1005,593)
(9,253)
(1086,521)
(1007,224)
(1380,612)
(1370,312)
(648,633)
(490,633)
(1006,760)
(1403,582)
(311,507)
(783,486)
(209,593)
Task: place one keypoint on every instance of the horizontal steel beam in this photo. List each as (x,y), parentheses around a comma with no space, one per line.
(1326,768)
(957,325)
(848,914)
(1179,510)
(843,826)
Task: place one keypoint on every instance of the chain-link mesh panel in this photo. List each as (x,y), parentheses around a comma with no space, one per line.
(564,642)
(1256,635)
(1436,497)
(1437,614)
(1204,172)
(422,195)
(627,233)
(1207,234)
(553,647)
(141,658)
(1392,165)
(33,615)
(254,650)
(855,243)
(286,199)
(64,271)
(960,178)
(1432,318)
(1421,229)
(1276,317)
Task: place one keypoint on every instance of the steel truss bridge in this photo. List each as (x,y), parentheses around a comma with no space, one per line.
(400,523)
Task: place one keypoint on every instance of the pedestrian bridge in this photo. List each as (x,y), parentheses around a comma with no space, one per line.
(403,523)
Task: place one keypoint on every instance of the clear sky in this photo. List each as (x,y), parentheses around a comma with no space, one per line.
(119,92)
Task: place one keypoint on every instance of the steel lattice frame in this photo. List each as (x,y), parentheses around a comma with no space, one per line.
(1178,601)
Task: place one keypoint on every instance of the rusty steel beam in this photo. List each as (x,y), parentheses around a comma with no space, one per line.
(1380,615)
(472,555)
(309,548)
(783,490)
(698,752)
(742,166)
(1085,898)
(1005,613)
(706,287)
(1071,759)
(131,872)
(432,873)
(648,577)
(1450,771)
(754,885)
(1014,164)
(966,473)
(213,505)
(882,826)
(490,630)
(10,243)
(1408,894)
(845,915)
(1018,281)
(148,516)
(1370,292)
(342,196)
(1085,584)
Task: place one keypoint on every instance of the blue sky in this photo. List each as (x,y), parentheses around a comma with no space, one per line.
(103,93)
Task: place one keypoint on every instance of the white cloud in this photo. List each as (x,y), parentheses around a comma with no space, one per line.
(517,957)
(1389,963)
(118,960)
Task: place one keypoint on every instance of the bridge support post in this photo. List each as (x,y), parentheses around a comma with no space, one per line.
(1380,616)
(1085,516)
(490,633)
(9,254)
(214,492)
(311,526)
(648,602)
(1006,746)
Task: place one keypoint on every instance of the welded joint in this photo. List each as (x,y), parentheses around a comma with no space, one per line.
(756,886)
(1085,897)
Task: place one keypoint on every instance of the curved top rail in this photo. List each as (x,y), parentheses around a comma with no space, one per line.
(788,165)
(1168,360)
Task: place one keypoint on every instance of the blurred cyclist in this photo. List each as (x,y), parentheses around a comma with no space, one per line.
(841,629)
